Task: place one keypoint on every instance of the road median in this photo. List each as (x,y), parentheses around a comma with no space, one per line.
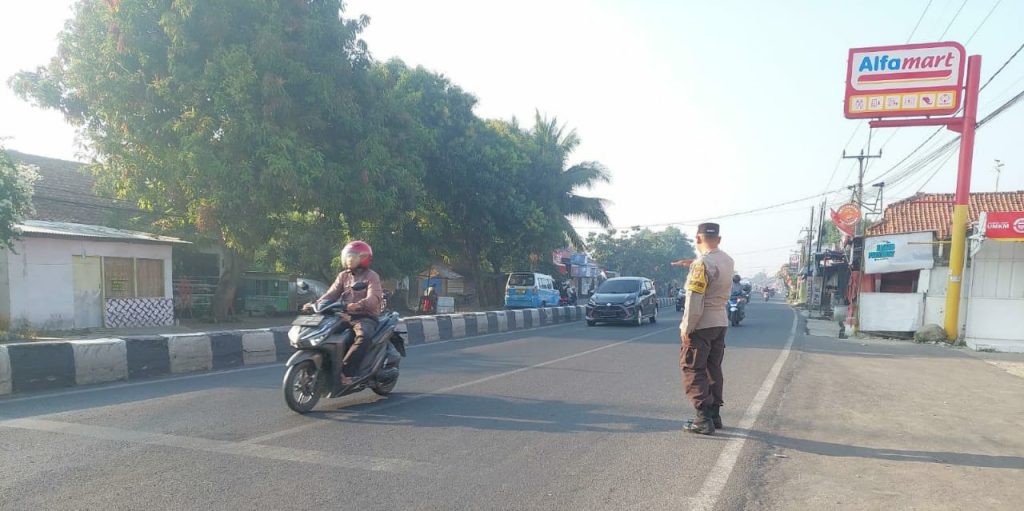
(47,365)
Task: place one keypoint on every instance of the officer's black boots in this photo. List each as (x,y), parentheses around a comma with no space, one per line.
(702,424)
(716,417)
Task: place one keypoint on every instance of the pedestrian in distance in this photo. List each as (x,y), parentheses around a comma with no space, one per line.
(703,329)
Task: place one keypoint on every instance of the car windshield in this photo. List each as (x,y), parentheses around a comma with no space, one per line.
(619,286)
(520,279)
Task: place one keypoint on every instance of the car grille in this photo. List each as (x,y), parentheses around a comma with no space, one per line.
(609,312)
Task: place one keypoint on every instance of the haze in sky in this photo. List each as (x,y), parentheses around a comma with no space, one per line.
(699,109)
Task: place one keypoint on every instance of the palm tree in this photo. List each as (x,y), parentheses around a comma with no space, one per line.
(559,182)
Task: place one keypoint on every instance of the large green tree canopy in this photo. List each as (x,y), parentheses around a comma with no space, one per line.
(264,126)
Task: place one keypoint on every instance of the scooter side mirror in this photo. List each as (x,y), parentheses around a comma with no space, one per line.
(303,286)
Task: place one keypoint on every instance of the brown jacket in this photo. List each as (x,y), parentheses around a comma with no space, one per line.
(367,301)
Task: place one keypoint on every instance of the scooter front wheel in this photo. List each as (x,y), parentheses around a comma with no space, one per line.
(301,389)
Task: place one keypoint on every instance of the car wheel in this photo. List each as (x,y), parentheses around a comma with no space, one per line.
(639,316)
(591,323)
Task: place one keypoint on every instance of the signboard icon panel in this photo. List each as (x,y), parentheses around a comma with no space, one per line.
(905,80)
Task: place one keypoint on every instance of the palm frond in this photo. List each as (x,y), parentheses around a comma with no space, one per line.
(585,175)
(588,208)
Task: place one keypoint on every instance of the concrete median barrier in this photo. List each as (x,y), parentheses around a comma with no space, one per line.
(5,371)
(35,366)
(258,348)
(100,360)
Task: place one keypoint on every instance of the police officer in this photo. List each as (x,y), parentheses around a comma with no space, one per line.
(703,329)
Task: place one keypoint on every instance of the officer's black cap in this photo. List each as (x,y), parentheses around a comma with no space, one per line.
(708,228)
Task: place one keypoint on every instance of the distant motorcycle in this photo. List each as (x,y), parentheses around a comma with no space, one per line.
(680,301)
(322,341)
(736,309)
(767,296)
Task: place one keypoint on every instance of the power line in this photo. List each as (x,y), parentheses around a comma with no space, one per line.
(938,168)
(1002,67)
(839,160)
(955,16)
(993,9)
(918,24)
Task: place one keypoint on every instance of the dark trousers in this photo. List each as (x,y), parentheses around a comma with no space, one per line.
(701,363)
(362,328)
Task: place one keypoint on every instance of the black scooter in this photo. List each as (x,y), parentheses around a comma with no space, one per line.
(322,341)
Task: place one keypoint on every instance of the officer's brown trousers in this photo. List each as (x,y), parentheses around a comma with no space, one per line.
(701,363)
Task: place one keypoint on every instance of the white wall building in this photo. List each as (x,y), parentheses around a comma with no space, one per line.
(63,275)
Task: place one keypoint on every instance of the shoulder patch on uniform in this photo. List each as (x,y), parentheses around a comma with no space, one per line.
(697,280)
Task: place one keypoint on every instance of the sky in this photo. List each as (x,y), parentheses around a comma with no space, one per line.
(700,110)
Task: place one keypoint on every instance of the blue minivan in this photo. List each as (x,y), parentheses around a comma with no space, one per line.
(527,290)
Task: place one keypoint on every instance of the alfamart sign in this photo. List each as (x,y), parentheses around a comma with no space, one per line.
(899,252)
(905,80)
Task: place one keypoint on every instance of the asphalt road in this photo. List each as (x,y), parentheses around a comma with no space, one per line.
(561,417)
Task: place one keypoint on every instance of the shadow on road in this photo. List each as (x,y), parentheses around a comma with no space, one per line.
(498,413)
(854,451)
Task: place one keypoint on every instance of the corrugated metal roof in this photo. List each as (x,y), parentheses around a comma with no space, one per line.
(45,228)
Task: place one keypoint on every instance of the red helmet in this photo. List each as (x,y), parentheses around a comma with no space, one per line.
(359,249)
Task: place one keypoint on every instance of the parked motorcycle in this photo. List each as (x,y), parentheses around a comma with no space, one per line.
(736,309)
(322,340)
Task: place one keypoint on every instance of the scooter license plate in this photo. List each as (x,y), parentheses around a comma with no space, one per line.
(313,320)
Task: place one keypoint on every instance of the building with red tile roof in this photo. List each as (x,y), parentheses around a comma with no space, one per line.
(934,212)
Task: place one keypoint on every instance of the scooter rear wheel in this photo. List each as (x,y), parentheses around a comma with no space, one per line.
(301,389)
(383,389)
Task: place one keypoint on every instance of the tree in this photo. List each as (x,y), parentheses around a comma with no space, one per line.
(557,183)
(15,197)
(226,116)
(643,252)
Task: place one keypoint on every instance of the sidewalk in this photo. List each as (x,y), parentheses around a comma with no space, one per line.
(880,424)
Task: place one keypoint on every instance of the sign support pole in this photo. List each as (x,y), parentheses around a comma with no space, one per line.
(961,202)
(966,126)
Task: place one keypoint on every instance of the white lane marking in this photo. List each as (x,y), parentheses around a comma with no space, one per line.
(719,474)
(338,460)
(261,367)
(445,390)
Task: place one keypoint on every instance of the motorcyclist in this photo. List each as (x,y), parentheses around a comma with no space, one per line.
(363,307)
(737,288)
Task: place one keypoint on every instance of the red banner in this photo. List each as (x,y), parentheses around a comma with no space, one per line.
(1004,225)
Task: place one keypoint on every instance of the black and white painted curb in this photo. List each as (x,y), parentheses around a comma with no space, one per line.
(35,366)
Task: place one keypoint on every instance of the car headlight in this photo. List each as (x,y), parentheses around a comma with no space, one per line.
(591,302)
(629,302)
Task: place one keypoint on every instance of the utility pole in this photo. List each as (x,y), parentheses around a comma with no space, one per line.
(859,191)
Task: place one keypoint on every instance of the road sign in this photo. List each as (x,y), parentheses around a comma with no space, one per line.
(904,81)
(1007,225)
(846,218)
